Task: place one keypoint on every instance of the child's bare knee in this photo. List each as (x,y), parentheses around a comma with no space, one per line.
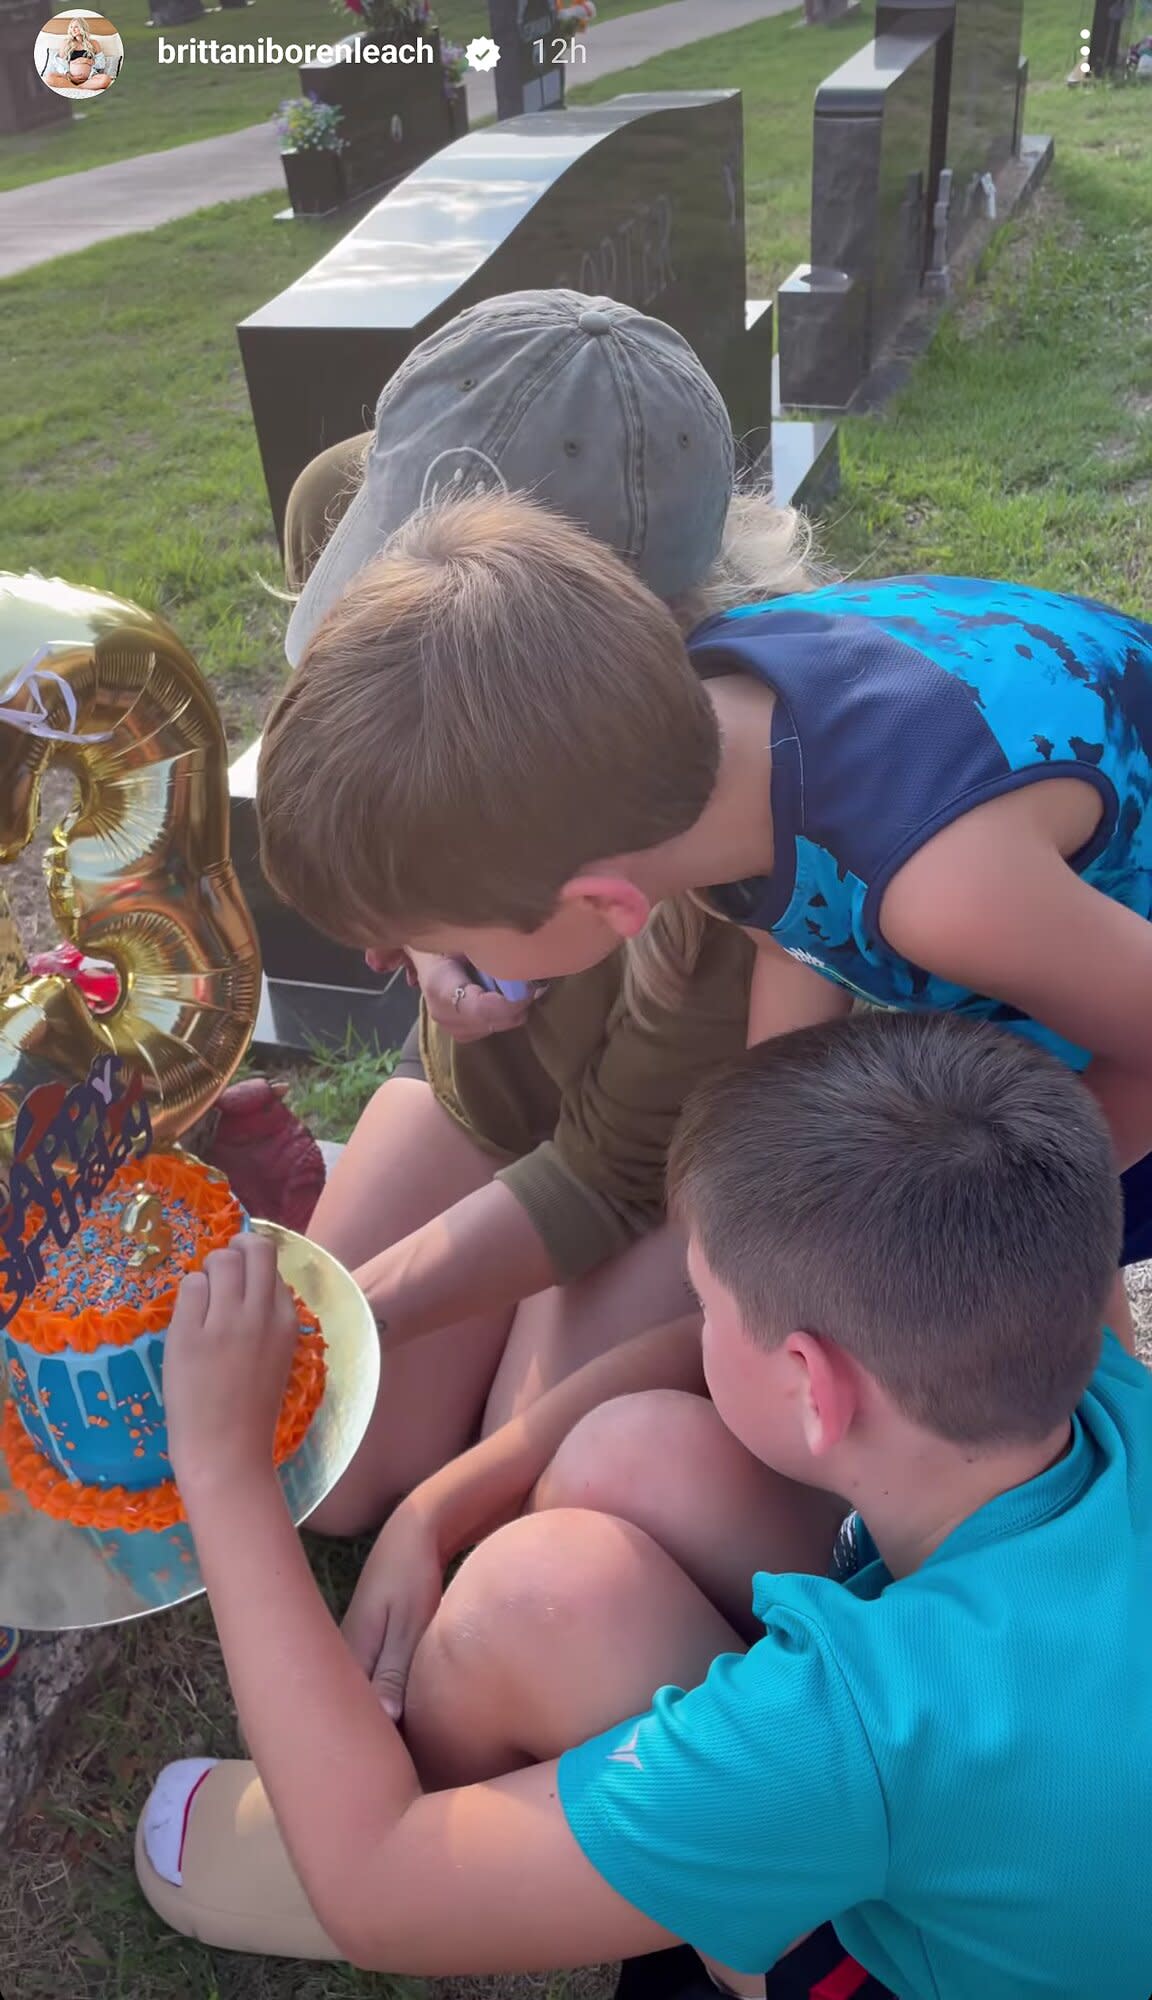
(623,1445)
(529,1650)
(530,1583)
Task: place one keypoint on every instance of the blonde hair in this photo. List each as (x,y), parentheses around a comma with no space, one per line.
(494,704)
(767,551)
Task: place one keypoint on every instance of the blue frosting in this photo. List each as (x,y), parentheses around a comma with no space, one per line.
(99,1417)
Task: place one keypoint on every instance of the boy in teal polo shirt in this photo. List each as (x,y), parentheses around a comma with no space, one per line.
(902,1230)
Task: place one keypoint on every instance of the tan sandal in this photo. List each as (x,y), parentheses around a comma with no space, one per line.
(211,1863)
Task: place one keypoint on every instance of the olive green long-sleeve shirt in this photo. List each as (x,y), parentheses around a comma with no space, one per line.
(581,1103)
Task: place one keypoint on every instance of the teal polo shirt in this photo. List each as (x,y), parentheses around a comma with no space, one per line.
(955,1768)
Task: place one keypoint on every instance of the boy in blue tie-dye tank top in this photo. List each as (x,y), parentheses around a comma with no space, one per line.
(923,793)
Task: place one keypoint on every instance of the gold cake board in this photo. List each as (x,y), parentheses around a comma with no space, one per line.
(55,1577)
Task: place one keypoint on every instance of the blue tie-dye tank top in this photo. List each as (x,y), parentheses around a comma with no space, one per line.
(902,705)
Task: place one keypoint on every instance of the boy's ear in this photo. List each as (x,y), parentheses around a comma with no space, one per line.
(620,904)
(829,1391)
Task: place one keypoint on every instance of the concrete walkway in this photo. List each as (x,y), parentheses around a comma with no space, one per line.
(137,194)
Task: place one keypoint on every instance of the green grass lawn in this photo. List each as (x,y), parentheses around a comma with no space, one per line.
(153,485)
(151,108)
(1023,447)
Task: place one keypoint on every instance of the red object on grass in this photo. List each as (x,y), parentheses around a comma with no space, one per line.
(276,1168)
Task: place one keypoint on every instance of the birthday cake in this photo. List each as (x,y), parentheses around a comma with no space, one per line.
(90,1288)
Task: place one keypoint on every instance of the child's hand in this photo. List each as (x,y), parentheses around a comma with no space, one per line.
(226,1362)
(458,1005)
(399,1591)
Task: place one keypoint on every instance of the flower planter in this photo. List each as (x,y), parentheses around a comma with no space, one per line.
(457,98)
(315,177)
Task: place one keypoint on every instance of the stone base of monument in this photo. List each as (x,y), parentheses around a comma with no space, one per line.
(298,1017)
(315,994)
(1015,185)
(823,338)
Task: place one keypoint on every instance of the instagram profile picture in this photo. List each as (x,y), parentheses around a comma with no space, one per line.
(78,54)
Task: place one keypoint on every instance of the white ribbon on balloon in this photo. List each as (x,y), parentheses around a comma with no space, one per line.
(33,721)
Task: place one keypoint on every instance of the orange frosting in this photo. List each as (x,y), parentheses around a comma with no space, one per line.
(157,1507)
(50,1331)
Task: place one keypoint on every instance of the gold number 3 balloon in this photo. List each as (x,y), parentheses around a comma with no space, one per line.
(139,873)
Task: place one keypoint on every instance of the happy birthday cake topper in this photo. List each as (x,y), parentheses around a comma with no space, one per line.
(68,1144)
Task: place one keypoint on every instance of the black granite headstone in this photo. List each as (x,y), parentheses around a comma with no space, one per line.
(641,199)
(909,136)
(876,153)
(980,74)
(528,76)
(173,13)
(313,991)
(25,102)
(395,115)
(1110,22)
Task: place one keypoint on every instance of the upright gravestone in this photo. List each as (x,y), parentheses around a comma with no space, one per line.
(909,137)
(874,151)
(980,72)
(173,13)
(1110,22)
(529,76)
(25,102)
(641,199)
(394,115)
